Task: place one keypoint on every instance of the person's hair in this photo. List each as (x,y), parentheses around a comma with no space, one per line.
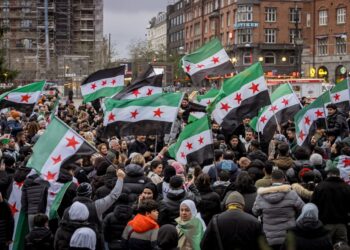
(234,137)
(338,146)
(40,220)
(229,155)
(249,130)
(333,172)
(331,106)
(148,206)
(257,163)
(345,151)
(283,149)
(138,159)
(319,150)
(155,164)
(218,153)
(202,181)
(291,129)
(269,167)
(244,183)
(301,154)
(224,175)
(308,180)
(99,147)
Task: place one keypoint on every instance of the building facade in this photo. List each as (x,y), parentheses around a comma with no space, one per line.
(157,32)
(37,50)
(176,28)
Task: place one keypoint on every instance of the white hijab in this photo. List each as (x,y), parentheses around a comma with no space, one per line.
(194,213)
(83,237)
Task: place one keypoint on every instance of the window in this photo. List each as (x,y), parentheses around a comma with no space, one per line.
(244,36)
(197,29)
(322,46)
(222,3)
(228,19)
(292,60)
(222,24)
(270,36)
(26,23)
(308,20)
(341,15)
(340,45)
(322,17)
(270,15)
(206,27)
(5,23)
(228,38)
(244,13)
(270,58)
(247,58)
(212,25)
(294,33)
(294,15)
(27,43)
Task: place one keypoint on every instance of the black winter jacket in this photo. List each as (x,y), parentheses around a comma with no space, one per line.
(40,238)
(209,204)
(6,223)
(337,125)
(34,195)
(134,181)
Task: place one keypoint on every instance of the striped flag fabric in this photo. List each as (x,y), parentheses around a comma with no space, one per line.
(23,98)
(242,95)
(57,146)
(285,104)
(342,162)
(306,118)
(150,115)
(195,143)
(208,97)
(340,96)
(210,59)
(103,83)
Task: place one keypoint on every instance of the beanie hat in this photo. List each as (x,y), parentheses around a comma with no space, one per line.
(111,170)
(14,114)
(78,212)
(316,159)
(153,188)
(178,167)
(84,190)
(176,182)
(235,198)
(168,173)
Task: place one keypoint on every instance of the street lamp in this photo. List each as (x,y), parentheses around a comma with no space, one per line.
(234,60)
(284,59)
(299,48)
(261,58)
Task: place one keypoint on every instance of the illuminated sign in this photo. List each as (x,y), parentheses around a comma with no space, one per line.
(312,72)
(322,72)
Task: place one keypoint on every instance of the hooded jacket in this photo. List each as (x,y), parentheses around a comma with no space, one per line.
(40,238)
(140,233)
(277,205)
(284,162)
(134,181)
(167,238)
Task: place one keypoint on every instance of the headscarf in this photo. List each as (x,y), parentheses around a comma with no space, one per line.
(309,217)
(83,237)
(167,237)
(78,212)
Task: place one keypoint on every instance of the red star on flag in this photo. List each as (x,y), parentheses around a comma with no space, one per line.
(301,135)
(158,113)
(149,92)
(13,208)
(225,106)
(273,108)
(50,176)
(285,102)
(263,119)
(254,88)
(7,97)
(93,86)
(238,98)
(189,146)
(19,184)
(25,98)
(56,160)
(208,102)
(200,66)
(188,68)
(346,162)
(319,113)
(183,155)
(134,114)
(111,117)
(136,92)
(215,60)
(113,81)
(307,120)
(336,97)
(201,140)
(104,82)
(72,142)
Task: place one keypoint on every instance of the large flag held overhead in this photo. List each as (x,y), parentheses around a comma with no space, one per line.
(195,143)
(342,162)
(306,118)
(208,97)
(23,98)
(340,96)
(285,104)
(240,96)
(57,146)
(103,83)
(210,59)
(150,115)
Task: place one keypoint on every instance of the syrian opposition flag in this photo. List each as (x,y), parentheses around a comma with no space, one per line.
(208,97)
(342,162)
(285,104)
(150,115)
(194,116)
(242,95)
(306,118)
(340,96)
(103,83)
(210,59)
(146,87)
(57,146)
(23,98)
(195,143)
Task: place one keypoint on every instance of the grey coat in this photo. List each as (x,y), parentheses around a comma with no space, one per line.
(277,205)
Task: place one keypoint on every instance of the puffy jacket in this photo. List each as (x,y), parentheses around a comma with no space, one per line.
(14,126)
(34,195)
(209,205)
(337,125)
(284,162)
(6,223)
(278,206)
(134,181)
(114,224)
(40,238)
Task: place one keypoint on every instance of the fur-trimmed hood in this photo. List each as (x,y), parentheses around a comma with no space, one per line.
(301,191)
(274,194)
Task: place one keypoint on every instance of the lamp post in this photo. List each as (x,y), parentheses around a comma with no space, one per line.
(299,48)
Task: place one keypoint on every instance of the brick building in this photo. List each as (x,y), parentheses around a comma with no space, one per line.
(176,27)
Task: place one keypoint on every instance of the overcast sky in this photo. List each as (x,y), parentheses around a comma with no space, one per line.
(127,20)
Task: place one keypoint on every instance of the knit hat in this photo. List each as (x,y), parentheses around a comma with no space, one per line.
(84,190)
(168,173)
(78,212)
(84,238)
(235,198)
(15,114)
(176,182)
(316,159)
(178,167)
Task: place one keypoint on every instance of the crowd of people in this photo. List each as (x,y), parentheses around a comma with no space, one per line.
(255,194)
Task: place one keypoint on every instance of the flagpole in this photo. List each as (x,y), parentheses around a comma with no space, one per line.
(178,107)
(295,95)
